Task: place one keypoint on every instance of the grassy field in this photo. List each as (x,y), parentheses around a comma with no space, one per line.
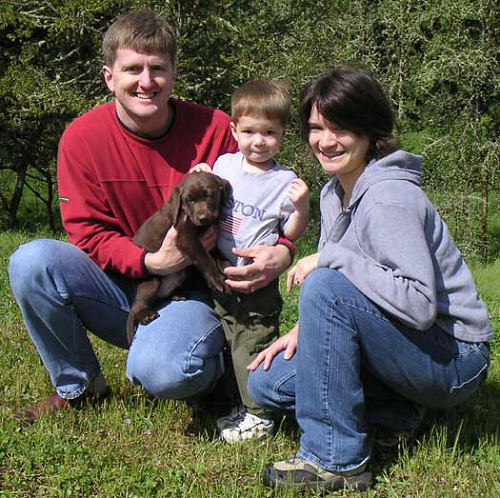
(133,446)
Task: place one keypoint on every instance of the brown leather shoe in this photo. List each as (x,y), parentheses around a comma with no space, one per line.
(48,406)
(53,403)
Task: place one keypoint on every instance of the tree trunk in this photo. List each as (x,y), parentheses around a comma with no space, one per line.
(483,247)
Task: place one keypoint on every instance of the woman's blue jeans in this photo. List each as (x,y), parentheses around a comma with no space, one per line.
(354,367)
(62,293)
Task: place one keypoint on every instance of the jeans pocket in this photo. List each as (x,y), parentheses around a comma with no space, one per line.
(471,366)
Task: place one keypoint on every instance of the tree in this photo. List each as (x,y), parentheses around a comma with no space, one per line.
(49,74)
(438,61)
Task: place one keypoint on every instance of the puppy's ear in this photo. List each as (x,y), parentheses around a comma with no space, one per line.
(175,204)
(225,188)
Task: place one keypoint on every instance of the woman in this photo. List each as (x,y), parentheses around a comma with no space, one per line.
(390,319)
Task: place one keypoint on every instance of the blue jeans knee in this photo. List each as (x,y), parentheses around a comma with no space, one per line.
(28,262)
(178,355)
(274,388)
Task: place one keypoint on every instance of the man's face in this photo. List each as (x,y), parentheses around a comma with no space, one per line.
(142,84)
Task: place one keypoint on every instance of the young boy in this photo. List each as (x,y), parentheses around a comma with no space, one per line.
(267,200)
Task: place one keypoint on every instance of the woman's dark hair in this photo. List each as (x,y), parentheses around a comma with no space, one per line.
(352,99)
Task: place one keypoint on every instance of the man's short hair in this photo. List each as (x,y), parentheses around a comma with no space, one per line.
(142,31)
(264,98)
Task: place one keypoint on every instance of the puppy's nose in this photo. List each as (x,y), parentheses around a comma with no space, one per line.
(205,219)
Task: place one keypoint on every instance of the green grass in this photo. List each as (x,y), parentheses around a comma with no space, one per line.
(133,446)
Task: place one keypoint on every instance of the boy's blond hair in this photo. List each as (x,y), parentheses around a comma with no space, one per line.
(262,98)
(141,31)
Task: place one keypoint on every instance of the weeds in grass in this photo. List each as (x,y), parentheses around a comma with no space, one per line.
(134,446)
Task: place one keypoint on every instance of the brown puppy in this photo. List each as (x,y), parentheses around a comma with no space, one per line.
(192,207)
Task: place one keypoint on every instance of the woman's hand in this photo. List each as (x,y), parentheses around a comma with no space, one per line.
(287,342)
(299,271)
(268,263)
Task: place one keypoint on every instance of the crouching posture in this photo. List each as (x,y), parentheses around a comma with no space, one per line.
(117,164)
(390,321)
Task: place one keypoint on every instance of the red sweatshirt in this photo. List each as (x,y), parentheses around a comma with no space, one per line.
(110,180)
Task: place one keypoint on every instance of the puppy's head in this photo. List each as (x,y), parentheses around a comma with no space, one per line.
(201,197)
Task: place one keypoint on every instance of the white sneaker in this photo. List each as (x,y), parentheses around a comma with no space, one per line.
(240,425)
(236,414)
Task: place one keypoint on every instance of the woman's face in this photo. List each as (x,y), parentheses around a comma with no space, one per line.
(340,152)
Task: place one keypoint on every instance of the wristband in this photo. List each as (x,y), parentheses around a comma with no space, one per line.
(288,244)
(145,271)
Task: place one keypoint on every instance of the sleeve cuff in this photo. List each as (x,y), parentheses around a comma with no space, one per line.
(288,244)
(145,271)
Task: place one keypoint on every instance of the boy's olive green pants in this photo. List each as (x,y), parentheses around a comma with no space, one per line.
(250,323)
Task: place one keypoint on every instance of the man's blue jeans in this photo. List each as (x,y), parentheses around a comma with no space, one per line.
(354,367)
(61,292)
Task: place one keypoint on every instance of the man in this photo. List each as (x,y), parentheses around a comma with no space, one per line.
(117,164)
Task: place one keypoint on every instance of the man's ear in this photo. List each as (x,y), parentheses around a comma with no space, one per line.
(108,77)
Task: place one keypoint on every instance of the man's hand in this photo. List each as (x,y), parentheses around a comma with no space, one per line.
(169,259)
(268,263)
(287,342)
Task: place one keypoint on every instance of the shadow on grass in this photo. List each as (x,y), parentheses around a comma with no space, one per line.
(465,428)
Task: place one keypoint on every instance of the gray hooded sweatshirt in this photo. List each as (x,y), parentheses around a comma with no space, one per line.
(394,247)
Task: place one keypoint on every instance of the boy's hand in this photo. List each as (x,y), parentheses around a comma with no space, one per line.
(201,167)
(299,194)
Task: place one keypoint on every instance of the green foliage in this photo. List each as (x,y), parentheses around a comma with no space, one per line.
(135,446)
(438,61)
(49,74)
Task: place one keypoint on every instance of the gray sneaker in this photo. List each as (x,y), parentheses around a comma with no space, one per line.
(240,425)
(297,473)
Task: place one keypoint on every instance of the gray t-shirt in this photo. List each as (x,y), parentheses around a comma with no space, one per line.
(258,208)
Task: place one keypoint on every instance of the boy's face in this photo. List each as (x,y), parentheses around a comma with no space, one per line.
(259,139)
(142,84)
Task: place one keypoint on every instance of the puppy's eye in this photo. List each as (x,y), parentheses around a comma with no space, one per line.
(189,200)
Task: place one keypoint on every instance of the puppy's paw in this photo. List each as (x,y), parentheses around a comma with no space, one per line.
(178,297)
(218,284)
(149,317)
